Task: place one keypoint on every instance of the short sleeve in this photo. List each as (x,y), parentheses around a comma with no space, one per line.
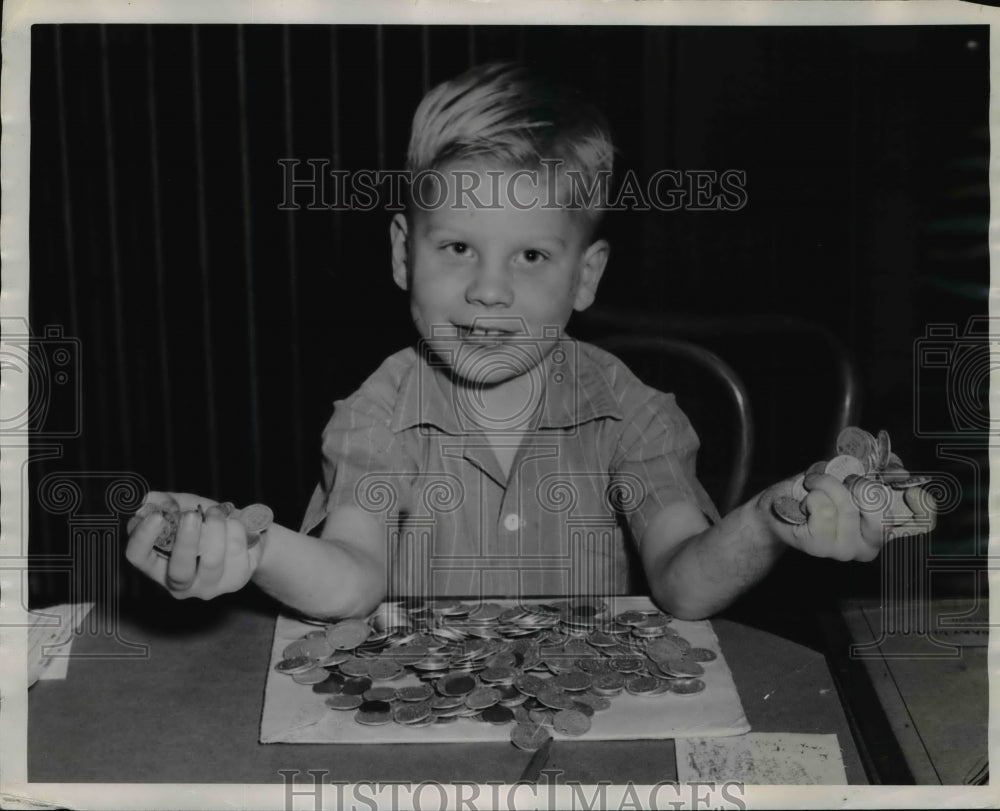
(363,463)
(654,465)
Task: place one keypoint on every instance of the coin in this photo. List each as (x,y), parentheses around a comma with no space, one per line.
(542,717)
(164,542)
(498,715)
(686,686)
(595,702)
(347,634)
(681,667)
(379,694)
(372,718)
(344,702)
(573,681)
(456,685)
(528,684)
(555,699)
(256,518)
(642,685)
(356,687)
(789,510)
(355,666)
(529,737)
(702,655)
(912,481)
(485,613)
(856,442)
(482,697)
(421,692)
(384,669)
(884,448)
(333,659)
(315,648)
(608,685)
(314,676)
(663,648)
(498,674)
(630,618)
(447,702)
(799,491)
(334,683)
(297,664)
(571,722)
(294,649)
(841,466)
(411,713)
(627,664)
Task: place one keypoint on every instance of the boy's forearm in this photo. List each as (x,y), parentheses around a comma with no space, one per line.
(711,568)
(321,577)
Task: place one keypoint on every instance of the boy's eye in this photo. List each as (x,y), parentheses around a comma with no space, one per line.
(457,248)
(533,257)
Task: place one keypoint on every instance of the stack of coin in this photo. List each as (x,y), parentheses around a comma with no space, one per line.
(256,520)
(873,474)
(538,666)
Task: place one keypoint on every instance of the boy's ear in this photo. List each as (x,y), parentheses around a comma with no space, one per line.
(594,260)
(398,233)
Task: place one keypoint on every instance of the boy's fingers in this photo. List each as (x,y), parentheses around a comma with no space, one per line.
(820,530)
(189,501)
(212,551)
(184,558)
(139,551)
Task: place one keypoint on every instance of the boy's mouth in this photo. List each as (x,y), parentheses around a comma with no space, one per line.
(478,331)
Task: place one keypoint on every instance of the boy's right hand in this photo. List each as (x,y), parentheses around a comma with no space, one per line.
(209,557)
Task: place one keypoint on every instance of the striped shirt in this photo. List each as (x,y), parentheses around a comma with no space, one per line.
(605,454)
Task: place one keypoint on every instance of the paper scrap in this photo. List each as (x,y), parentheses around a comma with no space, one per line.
(50,638)
(762,759)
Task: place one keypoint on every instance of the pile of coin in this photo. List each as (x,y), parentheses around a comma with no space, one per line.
(539,666)
(255,519)
(873,474)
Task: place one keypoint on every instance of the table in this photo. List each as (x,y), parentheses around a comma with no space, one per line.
(189,712)
(928,676)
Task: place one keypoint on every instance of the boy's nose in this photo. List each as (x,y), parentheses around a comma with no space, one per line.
(490,287)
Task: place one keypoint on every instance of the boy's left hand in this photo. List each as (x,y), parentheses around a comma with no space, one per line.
(848,521)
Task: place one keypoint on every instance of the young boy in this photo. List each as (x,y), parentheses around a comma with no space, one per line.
(500,457)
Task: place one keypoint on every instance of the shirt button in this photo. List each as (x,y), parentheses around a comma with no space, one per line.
(511,522)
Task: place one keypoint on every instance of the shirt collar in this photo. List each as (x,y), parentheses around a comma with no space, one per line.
(576,391)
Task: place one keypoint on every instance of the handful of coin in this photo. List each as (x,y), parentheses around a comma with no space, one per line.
(540,667)
(873,474)
(255,519)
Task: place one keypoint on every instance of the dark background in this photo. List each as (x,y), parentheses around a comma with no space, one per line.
(213,330)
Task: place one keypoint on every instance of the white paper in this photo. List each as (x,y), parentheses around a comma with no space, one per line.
(762,759)
(50,639)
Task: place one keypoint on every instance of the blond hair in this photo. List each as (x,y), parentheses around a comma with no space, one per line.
(503,114)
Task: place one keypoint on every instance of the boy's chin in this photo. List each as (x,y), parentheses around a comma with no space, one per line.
(479,379)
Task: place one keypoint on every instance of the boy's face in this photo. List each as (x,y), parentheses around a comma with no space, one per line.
(493,276)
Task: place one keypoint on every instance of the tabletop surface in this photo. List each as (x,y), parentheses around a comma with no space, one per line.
(186,708)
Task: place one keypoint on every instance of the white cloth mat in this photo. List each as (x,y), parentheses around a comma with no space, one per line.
(293,713)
